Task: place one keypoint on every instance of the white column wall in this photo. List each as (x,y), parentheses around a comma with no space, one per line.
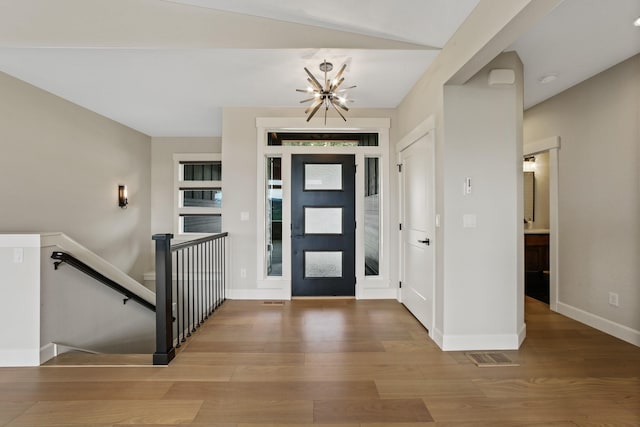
(20,302)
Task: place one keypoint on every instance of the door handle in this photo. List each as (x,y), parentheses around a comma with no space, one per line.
(425,241)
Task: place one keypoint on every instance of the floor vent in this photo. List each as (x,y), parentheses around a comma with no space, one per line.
(490,359)
(273,303)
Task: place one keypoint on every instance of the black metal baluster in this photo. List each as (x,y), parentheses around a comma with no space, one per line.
(208,276)
(193,290)
(184,337)
(177,301)
(211,266)
(199,284)
(218,273)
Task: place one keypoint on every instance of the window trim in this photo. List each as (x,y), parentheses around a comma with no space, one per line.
(179,185)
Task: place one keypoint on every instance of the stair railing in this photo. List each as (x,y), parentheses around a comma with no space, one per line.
(190,286)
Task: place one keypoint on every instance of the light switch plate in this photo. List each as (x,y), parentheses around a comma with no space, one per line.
(469,220)
(244,216)
(18,255)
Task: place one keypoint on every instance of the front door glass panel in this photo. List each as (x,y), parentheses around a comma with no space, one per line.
(322,176)
(322,264)
(322,220)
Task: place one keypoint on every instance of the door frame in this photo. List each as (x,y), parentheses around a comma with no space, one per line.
(344,241)
(552,146)
(367,287)
(425,128)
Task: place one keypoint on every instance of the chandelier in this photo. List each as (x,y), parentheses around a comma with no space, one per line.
(328,94)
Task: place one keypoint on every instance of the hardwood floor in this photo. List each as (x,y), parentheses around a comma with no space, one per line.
(339,363)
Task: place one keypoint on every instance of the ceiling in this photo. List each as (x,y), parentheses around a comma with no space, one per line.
(165,89)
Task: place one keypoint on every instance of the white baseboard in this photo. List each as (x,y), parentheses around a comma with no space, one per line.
(261,294)
(285,294)
(622,332)
(436,336)
(522,334)
(47,352)
(480,342)
(19,358)
(378,293)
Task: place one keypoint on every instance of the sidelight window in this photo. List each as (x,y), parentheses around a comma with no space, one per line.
(372,216)
(274,215)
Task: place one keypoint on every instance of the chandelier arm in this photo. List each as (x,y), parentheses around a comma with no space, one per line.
(312,106)
(344,67)
(307,100)
(338,111)
(314,111)
(335,86)
(341,105)
(313,78)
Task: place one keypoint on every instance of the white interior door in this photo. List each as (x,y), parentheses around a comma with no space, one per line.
(418,229)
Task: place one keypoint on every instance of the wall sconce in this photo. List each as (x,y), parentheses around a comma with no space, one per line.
(529,164)
(122,196)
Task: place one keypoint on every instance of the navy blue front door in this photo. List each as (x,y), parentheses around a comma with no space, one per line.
(323,225)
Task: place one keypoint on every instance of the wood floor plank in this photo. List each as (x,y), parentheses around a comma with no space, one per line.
(570,387)
(11,410)
(556,408)
(82,374)
(385,358)
(299,425)
(460,389)
(244,411)
(108,412)
(285,390)
(193,373)
(326,373)
(206,359)
(367,411)
(82,390)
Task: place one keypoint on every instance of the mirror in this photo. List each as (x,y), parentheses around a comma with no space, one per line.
(529,196)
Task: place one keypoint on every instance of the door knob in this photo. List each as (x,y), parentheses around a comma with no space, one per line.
(425,241)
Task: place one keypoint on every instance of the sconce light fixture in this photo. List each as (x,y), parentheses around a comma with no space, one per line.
(122,196)
(529,164)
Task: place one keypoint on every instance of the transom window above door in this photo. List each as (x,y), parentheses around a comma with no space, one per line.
(301,139)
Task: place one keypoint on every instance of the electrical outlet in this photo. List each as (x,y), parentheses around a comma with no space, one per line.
(243,273)
(613,299)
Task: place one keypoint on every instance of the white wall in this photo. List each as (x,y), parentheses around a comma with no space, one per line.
(60,169)
(483,272)
(162,197)
(599,195)
(20,301)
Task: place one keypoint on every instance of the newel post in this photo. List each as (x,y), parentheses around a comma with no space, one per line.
(165,351)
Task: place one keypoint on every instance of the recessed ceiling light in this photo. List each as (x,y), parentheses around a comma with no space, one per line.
(637,22)
(547,78)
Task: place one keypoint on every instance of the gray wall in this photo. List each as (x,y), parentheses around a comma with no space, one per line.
(59,171)
(599,190)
